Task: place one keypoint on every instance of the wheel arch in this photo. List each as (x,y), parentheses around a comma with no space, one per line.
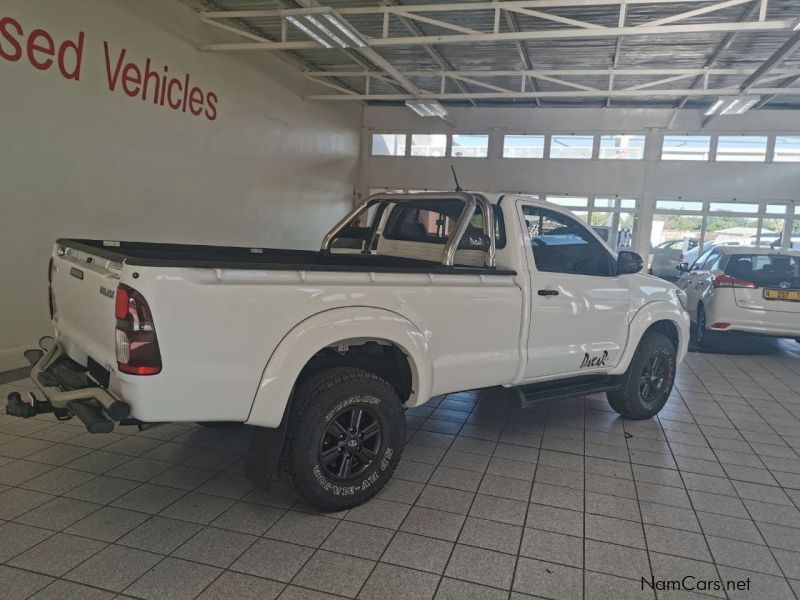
(662,316)
(374,339)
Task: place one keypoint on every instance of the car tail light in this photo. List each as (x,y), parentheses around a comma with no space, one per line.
(724,280)
(136,341)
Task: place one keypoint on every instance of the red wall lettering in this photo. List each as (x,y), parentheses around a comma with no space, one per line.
(135,80)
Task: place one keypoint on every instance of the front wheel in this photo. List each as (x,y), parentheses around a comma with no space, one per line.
(346,434)
(649,379)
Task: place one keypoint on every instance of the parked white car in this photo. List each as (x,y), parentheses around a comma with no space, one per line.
(322,351)
(744,288)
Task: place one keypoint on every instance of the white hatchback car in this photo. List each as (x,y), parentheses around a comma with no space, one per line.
(744,288)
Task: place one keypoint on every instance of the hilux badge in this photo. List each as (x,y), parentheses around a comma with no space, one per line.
(107,292)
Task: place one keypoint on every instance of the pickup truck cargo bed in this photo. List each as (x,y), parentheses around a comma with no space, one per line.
(148,254)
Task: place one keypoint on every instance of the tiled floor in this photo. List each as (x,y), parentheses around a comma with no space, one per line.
(490,501)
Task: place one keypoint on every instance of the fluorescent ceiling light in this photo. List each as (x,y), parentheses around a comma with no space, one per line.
(427,108)
(714,107)
(335,33)
(302,27)
(732,105)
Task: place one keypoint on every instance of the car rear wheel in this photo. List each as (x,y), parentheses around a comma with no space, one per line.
(647,383)
(701,327)
(347,432)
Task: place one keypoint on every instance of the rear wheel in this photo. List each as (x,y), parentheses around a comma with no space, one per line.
(649,379)
(347,431)
(701,327)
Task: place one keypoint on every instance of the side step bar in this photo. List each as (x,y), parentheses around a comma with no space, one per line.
(567,388)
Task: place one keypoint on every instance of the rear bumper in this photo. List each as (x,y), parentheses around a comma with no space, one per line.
(69,390)
(749,320)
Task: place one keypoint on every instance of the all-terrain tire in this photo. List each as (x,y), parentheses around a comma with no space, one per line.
(655,360)
(325,403)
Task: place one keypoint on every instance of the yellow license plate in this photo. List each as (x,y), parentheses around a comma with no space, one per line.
(791,296)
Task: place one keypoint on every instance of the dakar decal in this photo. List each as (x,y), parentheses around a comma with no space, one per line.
(594,361)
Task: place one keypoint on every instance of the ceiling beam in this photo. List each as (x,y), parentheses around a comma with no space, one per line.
(513,36)
(522,50)
(618,72)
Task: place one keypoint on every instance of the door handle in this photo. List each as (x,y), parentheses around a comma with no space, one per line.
(548,292)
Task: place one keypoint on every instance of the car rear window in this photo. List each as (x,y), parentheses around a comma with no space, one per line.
(432,222)
(766,270)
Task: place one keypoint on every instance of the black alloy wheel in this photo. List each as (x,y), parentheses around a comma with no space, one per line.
(350,443)
(653,377)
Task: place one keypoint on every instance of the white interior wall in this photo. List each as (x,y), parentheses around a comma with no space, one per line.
(646,179)
(80,161)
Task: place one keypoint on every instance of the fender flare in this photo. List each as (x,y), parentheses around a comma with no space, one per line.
(324,329)
(647,315)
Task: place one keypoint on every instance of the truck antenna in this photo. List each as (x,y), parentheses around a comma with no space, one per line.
(458,187)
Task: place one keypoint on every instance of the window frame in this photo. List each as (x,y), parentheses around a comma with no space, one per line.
(545,146)
(407,148)
(709,151)
(452,136)
(599,143)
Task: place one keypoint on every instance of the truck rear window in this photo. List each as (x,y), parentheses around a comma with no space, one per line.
(766,270)
(432,222)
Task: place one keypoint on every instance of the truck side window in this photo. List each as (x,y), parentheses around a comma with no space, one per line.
(562,245)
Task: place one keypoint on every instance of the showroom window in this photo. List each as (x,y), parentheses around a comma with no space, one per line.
(787,148)
(466,145)
(562,245)
(686,147)
(615,220)
(621,147)
(428,144)
(579,205)
(571,146)
(523,146)
(741,148)
(389,144)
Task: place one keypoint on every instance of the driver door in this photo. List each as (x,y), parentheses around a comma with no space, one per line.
(580,306)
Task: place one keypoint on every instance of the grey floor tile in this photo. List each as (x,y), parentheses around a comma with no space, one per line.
(197,508)
(19,585)
(671,568)
(302,528)
(388,582)
(107,524)
(556,519)
(615,531)
(743,555)
(554,495)
(102,490)
(418,552)
(57,554)
(216,547)
(482,566)
(492,535)
(66,590)
(357,539)
(16,538)
(334,573)
(722,526)
(114,568)
(446,499)
(458,479)
(455,589)
(398,490)
(16,472)
(669,516)
(677,542)
(58,513)
(612,506)
(148,498)
(761,585)
(160,535)
(552,547)
(248,517)
(599,586)
(173,579)
(616,560)
(379,512)
(433,523)
(505,487)
(238,586)
(273,559)
(58,481)
(548,580)
(183,477)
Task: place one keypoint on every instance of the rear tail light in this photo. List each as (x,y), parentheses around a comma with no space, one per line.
(136,341)
(724,280)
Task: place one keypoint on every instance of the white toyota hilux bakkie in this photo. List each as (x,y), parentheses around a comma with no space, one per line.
(411,296)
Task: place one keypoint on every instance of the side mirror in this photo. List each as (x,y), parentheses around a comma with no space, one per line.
(629,262)
(683,267)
